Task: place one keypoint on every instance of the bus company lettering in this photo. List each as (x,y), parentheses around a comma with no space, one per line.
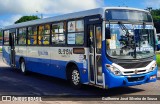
(65,51)
(42,53)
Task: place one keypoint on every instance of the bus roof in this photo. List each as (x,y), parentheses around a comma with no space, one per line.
(69,16)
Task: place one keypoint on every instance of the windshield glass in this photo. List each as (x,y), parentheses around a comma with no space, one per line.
(128,15)
(158,38)
(129,41)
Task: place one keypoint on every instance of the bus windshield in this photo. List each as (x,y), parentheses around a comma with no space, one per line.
(128,15)
(133,42)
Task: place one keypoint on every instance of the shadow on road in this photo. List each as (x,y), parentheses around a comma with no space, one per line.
(94,91)
(37,84)
(112,91)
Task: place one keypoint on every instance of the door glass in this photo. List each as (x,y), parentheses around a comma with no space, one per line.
(12,41)
(91,39)
(95,41)
(98,39)
(99,69)
(92,68)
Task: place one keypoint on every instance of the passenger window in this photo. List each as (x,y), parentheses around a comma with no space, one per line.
(44,34)
(32,35)
(58,33)
(22,36)
(6,37)
(75,32)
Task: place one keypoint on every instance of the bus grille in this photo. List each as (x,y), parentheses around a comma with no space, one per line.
(134,65)
(133,72)
(134,79)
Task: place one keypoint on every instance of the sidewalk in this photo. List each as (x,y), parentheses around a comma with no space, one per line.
(3,64)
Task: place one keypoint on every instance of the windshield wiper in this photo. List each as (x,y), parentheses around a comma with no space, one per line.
(139,33)
(144,25)
(128,37)
(123,27)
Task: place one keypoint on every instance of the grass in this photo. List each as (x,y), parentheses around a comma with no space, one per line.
(0,49)
(158,59)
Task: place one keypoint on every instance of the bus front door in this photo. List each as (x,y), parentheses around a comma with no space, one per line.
(12,47)
(95,62)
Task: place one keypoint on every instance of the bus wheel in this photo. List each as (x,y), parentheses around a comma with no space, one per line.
(23,66)
(75,77)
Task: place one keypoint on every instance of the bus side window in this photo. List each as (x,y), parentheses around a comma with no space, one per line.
(22,36)
(58,33)
(32,35)
(75,34)
(29,42)
(44,34)
(46,40)
(35,40)
(39,40)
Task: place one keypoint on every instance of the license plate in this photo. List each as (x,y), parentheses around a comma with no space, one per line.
(152,77)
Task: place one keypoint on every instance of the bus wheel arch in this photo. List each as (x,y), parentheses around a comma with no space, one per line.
(73,75)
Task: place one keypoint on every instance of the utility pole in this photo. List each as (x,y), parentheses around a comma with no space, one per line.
(41,15)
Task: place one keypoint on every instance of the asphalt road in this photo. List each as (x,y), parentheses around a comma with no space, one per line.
(12,82)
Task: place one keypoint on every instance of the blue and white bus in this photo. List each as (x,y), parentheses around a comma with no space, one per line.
(104,47)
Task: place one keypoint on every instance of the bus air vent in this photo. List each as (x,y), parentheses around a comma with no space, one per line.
(134,65)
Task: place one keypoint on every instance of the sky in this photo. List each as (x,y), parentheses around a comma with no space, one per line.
(12,10)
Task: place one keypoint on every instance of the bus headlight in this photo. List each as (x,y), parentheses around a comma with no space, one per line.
(152,67)
(114,70)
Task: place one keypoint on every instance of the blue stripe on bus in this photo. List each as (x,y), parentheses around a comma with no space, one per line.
(6,55)
(53,68)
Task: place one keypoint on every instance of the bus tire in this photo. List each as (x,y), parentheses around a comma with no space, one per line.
(74,77)
(23,67)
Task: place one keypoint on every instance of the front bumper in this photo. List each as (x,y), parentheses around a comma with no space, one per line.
(120,81)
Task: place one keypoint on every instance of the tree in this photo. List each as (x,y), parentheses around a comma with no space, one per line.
(156,18)
(0,34)
(26,18)
(156,15)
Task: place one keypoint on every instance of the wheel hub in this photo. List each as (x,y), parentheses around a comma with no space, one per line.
(75,77)
(23,67)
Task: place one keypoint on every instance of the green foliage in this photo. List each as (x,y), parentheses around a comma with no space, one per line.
(157,26)
(156,15)
(0,49)
(0,34)
(158,59)
(26,18)
(156,18)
